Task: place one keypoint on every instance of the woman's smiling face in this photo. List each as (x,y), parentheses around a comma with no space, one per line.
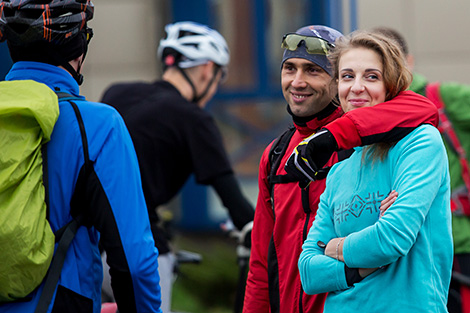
(360,79)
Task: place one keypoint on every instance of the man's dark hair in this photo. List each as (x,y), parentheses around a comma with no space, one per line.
(393,34)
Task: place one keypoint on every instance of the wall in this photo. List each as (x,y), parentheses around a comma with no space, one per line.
(436,32)
(124,45)
(127,34)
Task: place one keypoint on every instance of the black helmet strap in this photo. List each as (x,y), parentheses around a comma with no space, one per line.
(185,75)
(209,85)
(196,97)
(65,64)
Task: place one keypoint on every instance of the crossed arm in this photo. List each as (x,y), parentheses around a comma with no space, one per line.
(419,173)
(334,248)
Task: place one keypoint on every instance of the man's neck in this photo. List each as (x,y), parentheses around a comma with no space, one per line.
(74,64)
(174,77)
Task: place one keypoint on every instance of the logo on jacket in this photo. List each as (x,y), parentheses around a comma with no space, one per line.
(358,206)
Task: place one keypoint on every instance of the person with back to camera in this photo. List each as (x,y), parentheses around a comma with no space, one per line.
(48,41)
(368,259)
(285,210)
(453,99)
(174,136)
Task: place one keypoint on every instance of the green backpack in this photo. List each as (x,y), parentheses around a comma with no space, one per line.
(28,112)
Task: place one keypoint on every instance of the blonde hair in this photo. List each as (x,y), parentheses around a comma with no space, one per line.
(396,75)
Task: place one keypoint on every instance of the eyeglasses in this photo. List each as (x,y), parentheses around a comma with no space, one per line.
(223,76)
(314,45)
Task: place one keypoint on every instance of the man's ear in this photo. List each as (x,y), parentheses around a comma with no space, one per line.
(208,70)
(410,60)
(75,62)
(77,59)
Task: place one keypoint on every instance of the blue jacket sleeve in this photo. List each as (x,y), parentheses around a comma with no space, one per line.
(119,212)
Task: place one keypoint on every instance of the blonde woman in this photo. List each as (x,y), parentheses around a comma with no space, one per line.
(399,260)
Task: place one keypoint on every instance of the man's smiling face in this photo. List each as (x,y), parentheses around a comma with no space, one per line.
(307,88)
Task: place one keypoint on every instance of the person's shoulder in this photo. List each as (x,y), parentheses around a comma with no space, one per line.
(98,112)
(347,163)
(424,136)
(119,86)
(165,95)
(88,105)
(454,87)
(425,130)
(455,95)
(124,90)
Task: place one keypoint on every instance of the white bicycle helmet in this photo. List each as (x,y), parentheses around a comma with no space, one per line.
(197,43)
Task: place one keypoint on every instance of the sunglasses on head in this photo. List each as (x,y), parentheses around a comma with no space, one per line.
(314,45)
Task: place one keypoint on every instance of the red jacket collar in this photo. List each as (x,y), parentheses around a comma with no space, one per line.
(318,121)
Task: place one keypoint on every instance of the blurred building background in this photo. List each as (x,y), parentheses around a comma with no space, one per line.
(249,107)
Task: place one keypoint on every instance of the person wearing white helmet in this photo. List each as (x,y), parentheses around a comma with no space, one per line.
(174,137)
(195,51)
(198,43)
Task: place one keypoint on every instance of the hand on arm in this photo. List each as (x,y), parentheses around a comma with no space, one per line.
(387,202)
(334,248)
(240,209)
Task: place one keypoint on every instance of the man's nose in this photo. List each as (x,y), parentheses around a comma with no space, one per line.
(299,80)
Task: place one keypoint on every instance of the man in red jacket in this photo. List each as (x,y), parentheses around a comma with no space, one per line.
(286,207)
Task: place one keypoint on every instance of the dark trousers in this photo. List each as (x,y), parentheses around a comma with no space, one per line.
(459,291)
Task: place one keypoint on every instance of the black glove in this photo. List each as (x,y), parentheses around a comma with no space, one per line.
(311,155)
(320,148)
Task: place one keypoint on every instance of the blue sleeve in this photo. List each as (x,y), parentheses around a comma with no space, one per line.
(419,171)
(320,273)
(123,219)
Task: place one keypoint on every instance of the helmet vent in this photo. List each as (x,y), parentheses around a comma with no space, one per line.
(184,33)
(191,44)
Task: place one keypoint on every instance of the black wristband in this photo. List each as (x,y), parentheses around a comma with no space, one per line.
(352,275)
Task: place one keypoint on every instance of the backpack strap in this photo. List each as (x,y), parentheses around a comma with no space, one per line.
(277,151)
(448,132)
(45,178)
(445,126)
(64,235)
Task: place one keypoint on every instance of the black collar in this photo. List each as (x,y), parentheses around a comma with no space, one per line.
(302,121)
